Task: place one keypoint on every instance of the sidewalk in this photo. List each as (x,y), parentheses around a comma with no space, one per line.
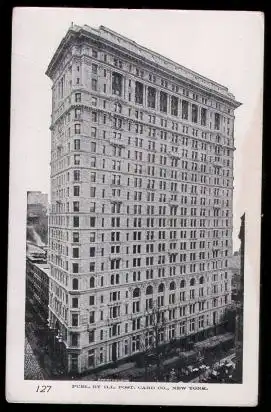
(32,369)
(129,370)
(42,359)
(109,372)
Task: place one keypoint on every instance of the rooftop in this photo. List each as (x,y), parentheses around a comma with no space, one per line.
(111,37)
(44,267)
(34,249)
(235,261)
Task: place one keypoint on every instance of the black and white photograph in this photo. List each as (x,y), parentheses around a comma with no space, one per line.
(134,238)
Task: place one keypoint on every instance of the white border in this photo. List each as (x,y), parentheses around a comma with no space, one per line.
(18,390)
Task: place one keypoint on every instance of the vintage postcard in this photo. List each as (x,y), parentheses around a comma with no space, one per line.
(135,207)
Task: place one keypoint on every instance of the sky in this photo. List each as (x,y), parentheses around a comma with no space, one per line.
(224,46)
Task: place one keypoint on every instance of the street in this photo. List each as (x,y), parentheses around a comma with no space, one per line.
(32,369)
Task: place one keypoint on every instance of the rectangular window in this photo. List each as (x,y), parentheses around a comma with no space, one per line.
(92,191)
(76,144)
(77,97)
(92,237)
(76,160)
(75,302)
(184,110)
(75,221)
(77,113)
(93,147)
(75,267)
(92,251)
(91,336)
(77,128)
(174,106)
(94,68)
(93,132)
(91,317)
(75,252)
(74,319)
(76,175)
(139,93)
(203,116)
(92,177)
(93,161)
(163,102)
(217,121)
(117,83)
(76,206)
(74,339)
(94,84)
(76,191)
(75,237)
(151,97)
(94,101)
(194,113)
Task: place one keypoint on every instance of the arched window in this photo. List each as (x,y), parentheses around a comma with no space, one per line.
(192,282)
(161,288)
(182,285)
(75,284)
(201,280)
(91,282)
(172,286)
(136,293)
(149,290)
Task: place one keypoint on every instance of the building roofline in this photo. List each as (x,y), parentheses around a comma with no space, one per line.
(102,30)
(106,29)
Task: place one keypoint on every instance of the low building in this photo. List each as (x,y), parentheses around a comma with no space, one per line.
(37,197)
(234,267)
(37,206)
(37,283)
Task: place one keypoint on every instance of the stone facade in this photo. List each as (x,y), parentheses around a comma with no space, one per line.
(37,286)
(141,198)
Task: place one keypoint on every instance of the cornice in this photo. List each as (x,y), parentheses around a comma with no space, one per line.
(96,35)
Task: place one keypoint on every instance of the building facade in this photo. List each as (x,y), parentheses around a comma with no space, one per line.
(239,320)
(37,205)
(37,284)
(234,267)
(37,197)
(141,198)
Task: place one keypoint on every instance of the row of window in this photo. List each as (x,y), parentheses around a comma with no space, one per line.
(185,310)
(150,247)
(139,222)
(144,74)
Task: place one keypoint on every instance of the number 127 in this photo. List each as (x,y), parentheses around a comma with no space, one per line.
(43,388)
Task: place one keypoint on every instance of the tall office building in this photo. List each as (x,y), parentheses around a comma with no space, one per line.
(141,199)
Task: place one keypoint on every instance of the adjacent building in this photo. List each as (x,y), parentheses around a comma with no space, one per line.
(37,205)
(141,199)
(234,267)
(37,197)
(239,325)
(37,283)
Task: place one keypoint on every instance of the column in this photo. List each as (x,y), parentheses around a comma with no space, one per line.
(157,100)
(189,112)
(169,104)
(145,96)
(179,108)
